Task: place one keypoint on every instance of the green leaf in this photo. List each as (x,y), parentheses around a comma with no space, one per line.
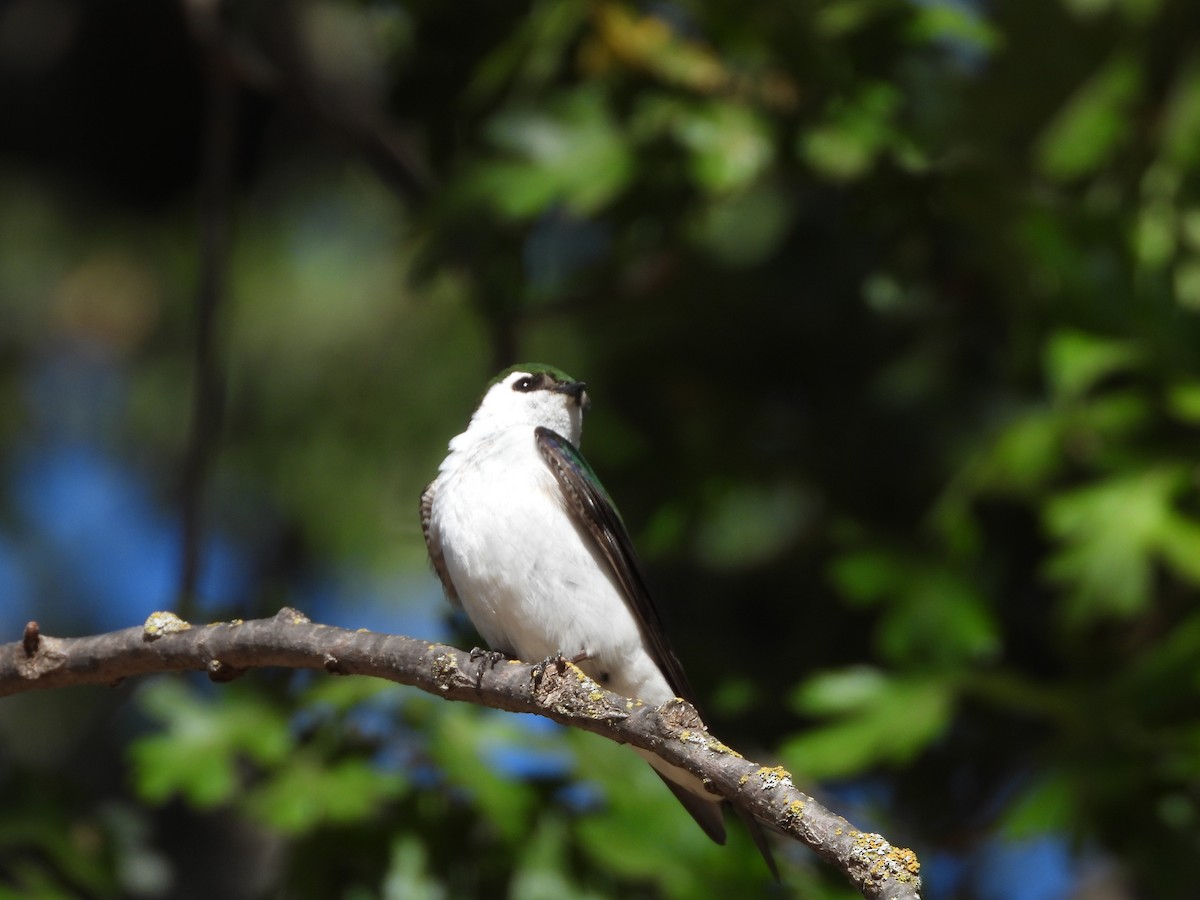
(1110,533)
(865,576)
(344,694)
(46,847)
(1179,543)
(743,228)
(730,144)
(408,876)
(530,58)
(1087,130)
(643,833)
(834,20)
(1046,806)
(1187,284)
(1031,450)
(1154,237)
(457,736)
(955,24)
(1107,419)
(733,696)
(203,740)
(837,153)
(878,720)
(569,151)
(749,525)
(1168,675)
(1087,9)
(942,620)
(1181,119)
(307,793)
(637,833)
(932,615)
(844,691)
(1076,361)
(855,131)
(1026,453)
(1183,399)
(541,869)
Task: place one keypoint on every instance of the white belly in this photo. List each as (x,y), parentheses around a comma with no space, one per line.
(528,578)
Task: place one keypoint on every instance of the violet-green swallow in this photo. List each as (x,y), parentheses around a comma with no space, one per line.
(527,542)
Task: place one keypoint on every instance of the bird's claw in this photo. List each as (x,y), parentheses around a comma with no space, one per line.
(487,659)
(538,672)
(560,662)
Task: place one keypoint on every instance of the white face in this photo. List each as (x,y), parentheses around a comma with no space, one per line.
(531,399)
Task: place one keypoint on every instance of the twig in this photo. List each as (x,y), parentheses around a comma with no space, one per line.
(673,731)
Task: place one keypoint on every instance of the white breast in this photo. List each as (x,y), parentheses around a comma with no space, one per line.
(529,579)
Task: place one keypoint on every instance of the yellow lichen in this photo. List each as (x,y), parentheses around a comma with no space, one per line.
(774,777)
(163,623)
(794,811)
(724,749)
(905,859)
(883,860)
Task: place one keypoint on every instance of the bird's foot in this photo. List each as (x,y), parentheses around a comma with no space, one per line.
(558,661)
(487,660)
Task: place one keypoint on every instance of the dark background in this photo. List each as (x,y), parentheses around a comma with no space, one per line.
(889,313)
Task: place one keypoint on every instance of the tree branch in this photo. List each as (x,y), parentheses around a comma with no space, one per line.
(673,731)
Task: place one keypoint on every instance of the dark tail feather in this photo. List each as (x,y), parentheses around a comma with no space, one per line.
(710,816)
(707,814)
(760,839)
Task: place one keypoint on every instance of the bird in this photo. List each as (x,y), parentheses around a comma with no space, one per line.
(527,542)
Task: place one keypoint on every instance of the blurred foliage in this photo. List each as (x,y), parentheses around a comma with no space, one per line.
(889,312)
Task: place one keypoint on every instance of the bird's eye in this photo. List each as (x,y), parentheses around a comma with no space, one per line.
(525,384)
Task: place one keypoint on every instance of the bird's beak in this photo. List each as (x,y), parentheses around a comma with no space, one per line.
(577,390)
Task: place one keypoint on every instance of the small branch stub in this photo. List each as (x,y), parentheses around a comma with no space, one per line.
(222,672)
(31,639)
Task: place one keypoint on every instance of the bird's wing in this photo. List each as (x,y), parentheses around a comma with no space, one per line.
(592,508)
(434,546)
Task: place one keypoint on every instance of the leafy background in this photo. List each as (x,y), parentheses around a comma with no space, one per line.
(889,310)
